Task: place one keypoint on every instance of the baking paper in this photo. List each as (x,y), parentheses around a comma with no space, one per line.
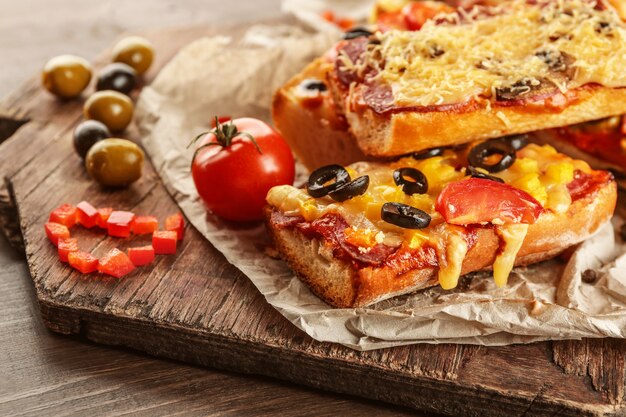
(216,76)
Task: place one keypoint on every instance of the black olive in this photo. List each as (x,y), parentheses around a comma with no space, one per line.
(404,216)
(87,134)
(474,173)
(351,189)
(419,185)
(318,181)
(493,147)
(313,84)
(428,153)
(516,141)
(589,276)
(357,32)
(117,76)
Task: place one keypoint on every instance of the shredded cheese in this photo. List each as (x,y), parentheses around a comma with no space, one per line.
(516,46)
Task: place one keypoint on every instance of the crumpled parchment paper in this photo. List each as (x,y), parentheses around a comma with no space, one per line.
(215,76)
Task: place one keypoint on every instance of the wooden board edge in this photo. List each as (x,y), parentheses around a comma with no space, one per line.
(225,352)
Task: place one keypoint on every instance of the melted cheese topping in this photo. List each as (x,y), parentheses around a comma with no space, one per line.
(538,170)
(512,236)
(515,46)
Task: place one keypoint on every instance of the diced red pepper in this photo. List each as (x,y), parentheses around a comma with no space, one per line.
(56,231)
(164,242)
(176,223)
(66,246)
(142,255)
(65,215)
(116,263)
(119,223)
(103,216)
(86,214)
(83,262)
(144,225)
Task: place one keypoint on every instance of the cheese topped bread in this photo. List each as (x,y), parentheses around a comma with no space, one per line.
(520,66)
(391,228)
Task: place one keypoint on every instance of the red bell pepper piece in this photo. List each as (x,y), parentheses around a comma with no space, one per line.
(164,242)
(144,225)
(86,214)
(119,223)
(116,263)
(83,262)
(176,223)
(56,231)
(142,255)
(65,215)
(103,216)
(66,246)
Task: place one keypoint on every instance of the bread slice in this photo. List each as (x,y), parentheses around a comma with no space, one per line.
(405,132)
(317,134)
(342,284)
(387,123)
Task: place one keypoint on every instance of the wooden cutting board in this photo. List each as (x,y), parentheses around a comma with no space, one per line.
(196,307)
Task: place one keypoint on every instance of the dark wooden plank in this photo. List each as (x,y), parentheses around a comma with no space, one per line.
(198,308)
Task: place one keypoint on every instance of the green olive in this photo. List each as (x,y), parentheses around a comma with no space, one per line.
(115,162)
(134,51)
(113,109)
(66,76)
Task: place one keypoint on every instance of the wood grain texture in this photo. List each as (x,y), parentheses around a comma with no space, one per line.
(197,308)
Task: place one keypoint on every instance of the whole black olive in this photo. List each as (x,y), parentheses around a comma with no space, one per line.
(480,152)
(87,133)
(418,185)
(117,76)
(474,173)
(402,215)
(357,32)
(516,141)
(429,153)
(351,189)
(318,184)
(313,84)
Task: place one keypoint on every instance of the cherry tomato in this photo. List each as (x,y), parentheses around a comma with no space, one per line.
(416,13)
(233,173)
(477,200)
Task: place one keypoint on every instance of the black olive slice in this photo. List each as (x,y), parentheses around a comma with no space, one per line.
(313,84)
(493,147)
(474,173)
(351,189)
(403,176)
(357,32)
(402,215)
(318,181)
(428,153)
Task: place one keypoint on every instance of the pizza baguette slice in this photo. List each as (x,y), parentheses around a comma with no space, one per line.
(470,75)
(369,231)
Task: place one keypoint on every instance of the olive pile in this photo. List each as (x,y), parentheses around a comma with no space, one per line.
(111,161)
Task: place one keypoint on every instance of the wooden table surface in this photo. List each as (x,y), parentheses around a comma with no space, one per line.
(42,373)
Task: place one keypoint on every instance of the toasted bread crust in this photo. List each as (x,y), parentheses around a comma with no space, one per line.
(341,285)
(404,132)
(317,135)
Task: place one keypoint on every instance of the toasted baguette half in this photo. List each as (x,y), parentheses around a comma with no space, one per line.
(309,122)
(386,122)
(342,283)
(405,132)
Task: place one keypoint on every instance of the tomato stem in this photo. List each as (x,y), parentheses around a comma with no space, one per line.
(224,135)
